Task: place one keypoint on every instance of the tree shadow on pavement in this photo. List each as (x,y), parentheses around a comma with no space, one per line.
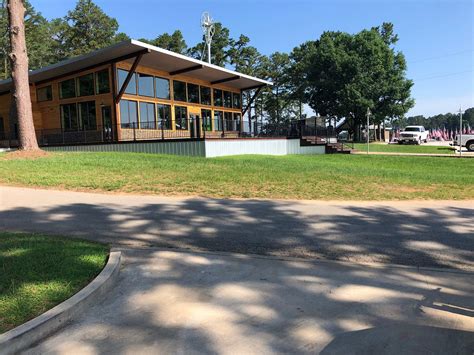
(176,301)
(430,237)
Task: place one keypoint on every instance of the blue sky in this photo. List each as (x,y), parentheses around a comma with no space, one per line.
(437,37)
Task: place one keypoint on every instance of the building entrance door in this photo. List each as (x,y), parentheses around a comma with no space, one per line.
(107,127)
(195,125)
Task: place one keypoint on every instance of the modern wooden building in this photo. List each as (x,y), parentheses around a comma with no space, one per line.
(131,91)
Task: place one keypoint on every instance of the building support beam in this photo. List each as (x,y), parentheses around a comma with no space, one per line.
(252,99)
(186,70)
(137,60)
(232,78)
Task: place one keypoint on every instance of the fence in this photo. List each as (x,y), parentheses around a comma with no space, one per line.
(182,129)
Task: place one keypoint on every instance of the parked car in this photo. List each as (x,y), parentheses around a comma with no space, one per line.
(466,141)
(413,134)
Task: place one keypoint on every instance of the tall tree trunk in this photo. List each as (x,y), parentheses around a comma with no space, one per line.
(19,65)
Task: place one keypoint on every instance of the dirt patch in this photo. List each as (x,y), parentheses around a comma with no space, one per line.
(26,154)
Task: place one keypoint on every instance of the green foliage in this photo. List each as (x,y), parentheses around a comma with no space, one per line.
(221,43)
(331,176)
(39,272)
(173,42)
(449,121)
(341,75)
(38,40)
(86,28)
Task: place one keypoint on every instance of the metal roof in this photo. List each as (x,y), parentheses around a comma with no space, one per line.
(157,58)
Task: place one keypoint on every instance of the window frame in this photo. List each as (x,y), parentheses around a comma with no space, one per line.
(147,122)
(208,103)
(61,112)
(206,125)
(81,119)
(157,79)
(224,98)
(198,91)
(176,107)
(143,75)
(234,95)
(218,122)
(131,124)
(214,90)
(50,98)
(185,91)
(79,86)
(168,121)
(97,81)
(133,79)
(60,84)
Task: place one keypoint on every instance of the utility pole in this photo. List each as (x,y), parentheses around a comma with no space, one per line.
(368,128)
(460,132)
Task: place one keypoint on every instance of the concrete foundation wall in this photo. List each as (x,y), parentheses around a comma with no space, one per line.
(220,148)
(208,148)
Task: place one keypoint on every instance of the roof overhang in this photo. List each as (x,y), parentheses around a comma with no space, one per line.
(155,57)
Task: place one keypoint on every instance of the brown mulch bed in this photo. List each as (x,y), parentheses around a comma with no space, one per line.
(26,154)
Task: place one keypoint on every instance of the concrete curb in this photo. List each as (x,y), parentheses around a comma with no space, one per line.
(40,327)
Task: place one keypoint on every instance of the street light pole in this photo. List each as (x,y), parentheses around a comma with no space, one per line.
(460,132)
(368,128)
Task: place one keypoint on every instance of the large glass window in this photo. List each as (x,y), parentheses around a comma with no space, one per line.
(162,88)
(44,94)
(164,116)
(145,85)
(86,85)
(217,97)
(69,117)
(218,117)
(236,102)
(67,89)
(102,81)
(193,93)
(147,115)
(181,117)
(205,95)
(206,119)
(132,85)
(87,116)
(238,121)
(179,90)
(228,121)
(227,99)
(128,113)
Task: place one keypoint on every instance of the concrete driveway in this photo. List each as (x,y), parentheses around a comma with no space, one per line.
(170,302)
(183,290)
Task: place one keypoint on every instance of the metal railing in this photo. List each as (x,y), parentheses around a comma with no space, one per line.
(179,129)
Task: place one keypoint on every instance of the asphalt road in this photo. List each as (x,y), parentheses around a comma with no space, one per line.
(420,233)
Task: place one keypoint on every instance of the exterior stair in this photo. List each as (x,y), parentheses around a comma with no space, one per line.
(331,147)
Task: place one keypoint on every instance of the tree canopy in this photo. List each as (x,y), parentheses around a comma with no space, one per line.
(173,42)
(342,74)
(337,75)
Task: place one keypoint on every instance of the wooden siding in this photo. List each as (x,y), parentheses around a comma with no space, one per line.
(47,115)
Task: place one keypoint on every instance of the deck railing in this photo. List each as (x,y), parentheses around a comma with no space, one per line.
(179,129)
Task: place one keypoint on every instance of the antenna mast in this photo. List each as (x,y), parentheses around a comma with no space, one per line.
(207,25)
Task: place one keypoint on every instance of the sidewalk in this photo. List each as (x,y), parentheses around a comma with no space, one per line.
(455,155)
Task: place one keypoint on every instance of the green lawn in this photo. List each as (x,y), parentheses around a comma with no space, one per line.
(403,148)
(38,272)
(354,177)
